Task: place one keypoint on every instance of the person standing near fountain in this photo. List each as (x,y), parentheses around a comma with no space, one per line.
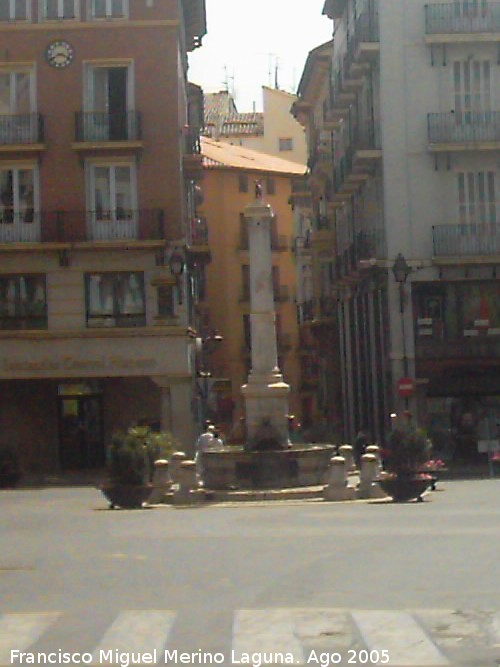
(204,442)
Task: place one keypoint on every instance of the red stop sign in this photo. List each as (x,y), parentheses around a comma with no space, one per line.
(406,387)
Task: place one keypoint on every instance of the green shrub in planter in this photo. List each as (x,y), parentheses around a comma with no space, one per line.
(131,455)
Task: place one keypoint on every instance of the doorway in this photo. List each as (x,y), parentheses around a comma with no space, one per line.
(81,435)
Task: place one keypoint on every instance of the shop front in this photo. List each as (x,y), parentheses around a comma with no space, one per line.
(62,399)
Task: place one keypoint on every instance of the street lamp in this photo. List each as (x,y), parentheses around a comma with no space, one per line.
(205,346)
(401,270)
(176,264)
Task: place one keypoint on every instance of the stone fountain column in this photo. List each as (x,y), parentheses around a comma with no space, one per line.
(265,393)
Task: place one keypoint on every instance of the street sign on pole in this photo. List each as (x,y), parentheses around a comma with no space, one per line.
(406,387)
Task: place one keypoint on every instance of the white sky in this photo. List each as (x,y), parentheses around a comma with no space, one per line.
(246,38)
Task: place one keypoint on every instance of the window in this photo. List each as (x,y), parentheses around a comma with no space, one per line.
(60,9)
(270,186)
(17,204)
(16,105)
(108,104)
(472,89)
(166,307)
(243,182)
(477,197)
(14,10)
(23,302)
(285,144)
(109,9)
(115,299)
(244,244)
(245,283)
(112,201)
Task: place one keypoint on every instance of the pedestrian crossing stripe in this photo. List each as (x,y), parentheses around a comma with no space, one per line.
(399,634)
(282,635)
(134,632)
(19,631)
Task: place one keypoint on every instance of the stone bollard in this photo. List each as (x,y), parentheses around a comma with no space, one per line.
(347,453)
(375,450)
(174,464)
(368,487)
(162,482)
(337,488)
(188,492)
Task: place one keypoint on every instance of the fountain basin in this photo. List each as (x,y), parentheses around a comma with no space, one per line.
(233,467)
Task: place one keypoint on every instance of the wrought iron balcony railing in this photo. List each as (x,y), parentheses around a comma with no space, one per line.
(466,239)
(192,142)
(462,17)
(366,136)
(198,231)
(103,126)
(463,127)
(366,29)
(25,128)
(75,226)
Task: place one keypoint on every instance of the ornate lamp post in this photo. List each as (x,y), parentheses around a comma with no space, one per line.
(205,347)
(401,270)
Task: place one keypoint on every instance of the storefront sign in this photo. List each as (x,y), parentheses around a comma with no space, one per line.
(76,365)
(406,387)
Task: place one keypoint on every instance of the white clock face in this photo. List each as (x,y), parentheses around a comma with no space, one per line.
(59,54)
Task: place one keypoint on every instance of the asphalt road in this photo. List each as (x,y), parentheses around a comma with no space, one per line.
(288,574)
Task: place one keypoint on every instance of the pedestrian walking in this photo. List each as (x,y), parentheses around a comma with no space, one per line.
(204,442)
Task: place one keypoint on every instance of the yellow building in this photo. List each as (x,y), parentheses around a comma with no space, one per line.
(229,176)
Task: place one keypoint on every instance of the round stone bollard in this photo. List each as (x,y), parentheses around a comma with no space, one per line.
(368,486)
(347,453)
(162,482)
(375,450)
(174,464)
(337,488)
(188,492)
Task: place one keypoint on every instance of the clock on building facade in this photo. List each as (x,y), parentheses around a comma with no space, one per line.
(59,54)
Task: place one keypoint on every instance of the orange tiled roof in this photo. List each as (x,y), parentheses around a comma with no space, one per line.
(218,154)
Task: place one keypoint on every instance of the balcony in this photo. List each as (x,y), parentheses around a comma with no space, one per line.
(370,244)
(366,145)
(474,130)
(461,21)
(466,240)
(342,95)
(364,45)
(100,129)
(21,132)
(198,232)
(192,159)
(84,226)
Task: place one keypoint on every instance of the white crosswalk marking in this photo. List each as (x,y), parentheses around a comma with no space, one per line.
(401,636)
(135,632)
(19,631)
(266,631)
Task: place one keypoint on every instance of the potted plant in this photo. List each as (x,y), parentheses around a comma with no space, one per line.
(10,466)
(408,449)
(130,464)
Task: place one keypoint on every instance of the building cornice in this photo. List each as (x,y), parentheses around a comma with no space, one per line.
(51,26)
